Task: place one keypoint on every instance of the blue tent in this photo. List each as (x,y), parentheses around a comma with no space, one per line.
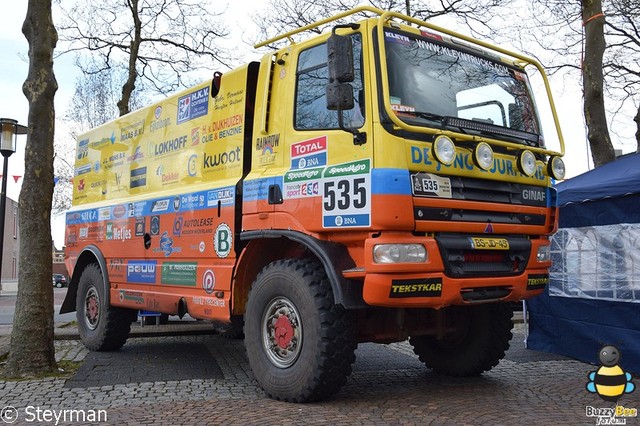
(593,297)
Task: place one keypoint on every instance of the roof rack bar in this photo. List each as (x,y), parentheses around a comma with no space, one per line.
(316,24)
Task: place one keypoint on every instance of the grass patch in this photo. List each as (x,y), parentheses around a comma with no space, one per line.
(63,370)
(67,368)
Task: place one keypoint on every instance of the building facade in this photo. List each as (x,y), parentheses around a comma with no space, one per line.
(59,267)
(11,243)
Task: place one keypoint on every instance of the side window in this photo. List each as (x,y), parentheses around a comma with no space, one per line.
(312,78)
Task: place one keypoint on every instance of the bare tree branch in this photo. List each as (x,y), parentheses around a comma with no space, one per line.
(172,38)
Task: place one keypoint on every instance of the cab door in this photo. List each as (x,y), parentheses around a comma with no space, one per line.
(327,170)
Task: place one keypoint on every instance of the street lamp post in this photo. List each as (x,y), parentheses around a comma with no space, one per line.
(9,131)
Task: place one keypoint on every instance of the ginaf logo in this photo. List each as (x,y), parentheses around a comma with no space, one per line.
(609,381)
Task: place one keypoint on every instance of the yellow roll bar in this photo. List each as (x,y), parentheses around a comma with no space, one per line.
(384,18)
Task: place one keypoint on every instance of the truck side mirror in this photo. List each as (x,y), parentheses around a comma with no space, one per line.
(339,96)
(339,91)
(341,72)
(340,58)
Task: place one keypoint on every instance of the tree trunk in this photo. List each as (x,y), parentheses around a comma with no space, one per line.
(32,350)
(637,120)
(129,85)
(593,83)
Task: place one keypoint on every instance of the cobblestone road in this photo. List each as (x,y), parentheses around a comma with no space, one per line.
(388,386)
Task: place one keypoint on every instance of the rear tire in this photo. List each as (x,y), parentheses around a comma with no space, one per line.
(101,327)
(481,337)
(300,345)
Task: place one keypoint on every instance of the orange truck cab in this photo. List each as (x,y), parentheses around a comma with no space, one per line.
(385,180)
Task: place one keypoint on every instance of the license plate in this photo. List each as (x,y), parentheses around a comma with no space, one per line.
(481,243)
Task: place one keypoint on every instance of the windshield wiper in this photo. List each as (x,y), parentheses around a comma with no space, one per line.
(442,120)
(427,116)
(467,126)
(494,130)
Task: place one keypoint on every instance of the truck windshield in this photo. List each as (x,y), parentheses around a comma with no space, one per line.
(437,84)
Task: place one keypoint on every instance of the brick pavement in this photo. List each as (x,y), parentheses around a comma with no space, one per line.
(388,386)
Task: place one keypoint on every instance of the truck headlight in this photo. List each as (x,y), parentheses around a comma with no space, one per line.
(483,156)
(527,163)
(544,254)
(556,168)
(444,150)
(399,253)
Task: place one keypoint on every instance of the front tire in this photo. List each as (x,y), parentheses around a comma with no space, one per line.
(300,345)
(101,327)
(479,341)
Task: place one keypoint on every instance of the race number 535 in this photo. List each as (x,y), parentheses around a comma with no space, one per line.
(346,195)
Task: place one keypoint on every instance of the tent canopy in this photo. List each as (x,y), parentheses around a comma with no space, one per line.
(593,297)
(614,179)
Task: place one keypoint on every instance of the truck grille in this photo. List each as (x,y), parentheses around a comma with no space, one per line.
(484,293)
(477,216)
(461,260)
(471,189)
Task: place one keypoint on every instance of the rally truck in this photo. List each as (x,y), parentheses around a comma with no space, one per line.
(386,180)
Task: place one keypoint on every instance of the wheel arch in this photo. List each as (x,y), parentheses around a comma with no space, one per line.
(266,246)
(90,254)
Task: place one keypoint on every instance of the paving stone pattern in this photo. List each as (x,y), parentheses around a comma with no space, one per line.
(388,386)
(148,361)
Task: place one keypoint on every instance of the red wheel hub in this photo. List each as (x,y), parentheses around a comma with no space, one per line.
(93,308)
(283,331)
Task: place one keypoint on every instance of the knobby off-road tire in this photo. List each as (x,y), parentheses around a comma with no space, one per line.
(300,345)
(101,327)
(479,343)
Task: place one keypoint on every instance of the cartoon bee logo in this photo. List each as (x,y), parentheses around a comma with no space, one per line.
(610,382)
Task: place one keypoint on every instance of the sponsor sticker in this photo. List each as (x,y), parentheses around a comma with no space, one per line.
(537,282)
(179,273)
(208,281)
(138,177)
(141,271)
(193,105)
(309,153)
(431,287)
(223,240)
(140,224)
